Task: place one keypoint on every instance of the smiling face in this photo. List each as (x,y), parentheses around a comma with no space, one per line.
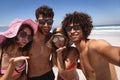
(75,34)
(45,24)
(24,37)
(59,41)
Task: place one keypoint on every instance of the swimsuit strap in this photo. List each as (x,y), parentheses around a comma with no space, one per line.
(72,66)
(17,69)
(21,68)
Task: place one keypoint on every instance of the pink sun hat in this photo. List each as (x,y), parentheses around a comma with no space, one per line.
(14,28)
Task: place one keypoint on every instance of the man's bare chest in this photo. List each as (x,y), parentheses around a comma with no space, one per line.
(39,49)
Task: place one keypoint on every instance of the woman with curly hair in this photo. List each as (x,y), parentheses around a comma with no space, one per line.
(94,54)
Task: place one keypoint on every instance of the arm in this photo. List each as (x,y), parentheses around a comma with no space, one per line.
(23,76)
(9,72)
(11,67)
(60,63)
(111,53)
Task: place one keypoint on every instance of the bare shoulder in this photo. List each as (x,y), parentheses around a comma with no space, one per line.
(98,44)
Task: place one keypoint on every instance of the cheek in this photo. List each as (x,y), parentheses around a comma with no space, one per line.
(80,34)
(68,34)
(19,39)
(57,45)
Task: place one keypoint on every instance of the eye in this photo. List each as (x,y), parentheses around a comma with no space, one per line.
(61,38)
(76,27)
(55,39)
(42,21)
(23,34)
(50,21)
(68,29)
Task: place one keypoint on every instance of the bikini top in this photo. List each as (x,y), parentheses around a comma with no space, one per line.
(17,70)
(72,66)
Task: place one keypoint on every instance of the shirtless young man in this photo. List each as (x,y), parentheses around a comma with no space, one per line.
(94,54)
(40,67)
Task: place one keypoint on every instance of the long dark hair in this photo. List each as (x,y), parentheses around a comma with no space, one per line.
(11,41)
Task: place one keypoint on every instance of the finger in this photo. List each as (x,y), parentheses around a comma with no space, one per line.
(21,58)
(60,49)
(64,47)
(11,59)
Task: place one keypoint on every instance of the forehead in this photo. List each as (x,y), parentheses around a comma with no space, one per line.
(27,30)
(58,36)
(72,24)
(42,17)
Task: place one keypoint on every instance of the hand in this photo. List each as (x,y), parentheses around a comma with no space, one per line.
(17,59)
(60,49)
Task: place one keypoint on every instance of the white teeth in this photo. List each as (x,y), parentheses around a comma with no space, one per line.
(45,29)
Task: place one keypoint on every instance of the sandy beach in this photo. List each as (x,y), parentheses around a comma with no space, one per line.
(112,37)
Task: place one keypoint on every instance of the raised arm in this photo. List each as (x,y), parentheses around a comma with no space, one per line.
(60,63)
(111,53)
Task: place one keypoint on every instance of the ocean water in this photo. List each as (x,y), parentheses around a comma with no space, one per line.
(107,28)
(96,28)
(3,28)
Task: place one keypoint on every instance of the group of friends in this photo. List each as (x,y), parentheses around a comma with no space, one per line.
(29,51)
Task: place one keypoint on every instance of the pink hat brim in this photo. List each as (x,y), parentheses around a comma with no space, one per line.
(15,26)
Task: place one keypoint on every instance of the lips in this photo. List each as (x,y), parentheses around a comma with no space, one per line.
(24,43)
(60,45)
(46,29)
(74,36)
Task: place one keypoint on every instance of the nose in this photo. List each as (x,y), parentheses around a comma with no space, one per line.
(72,30)
(26,39)
(45,24)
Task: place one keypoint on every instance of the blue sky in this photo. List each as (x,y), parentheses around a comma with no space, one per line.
(101,11)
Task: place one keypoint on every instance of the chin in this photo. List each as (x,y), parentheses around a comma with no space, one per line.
(45,33)
(22,45)
(75,40)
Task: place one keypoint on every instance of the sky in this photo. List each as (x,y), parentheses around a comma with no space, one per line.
(101,11)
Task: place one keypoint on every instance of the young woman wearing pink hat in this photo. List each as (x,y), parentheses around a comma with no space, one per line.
(14,44)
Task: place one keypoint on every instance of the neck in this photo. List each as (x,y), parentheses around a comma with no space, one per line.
(77,43)
(80,45)
(40,36)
